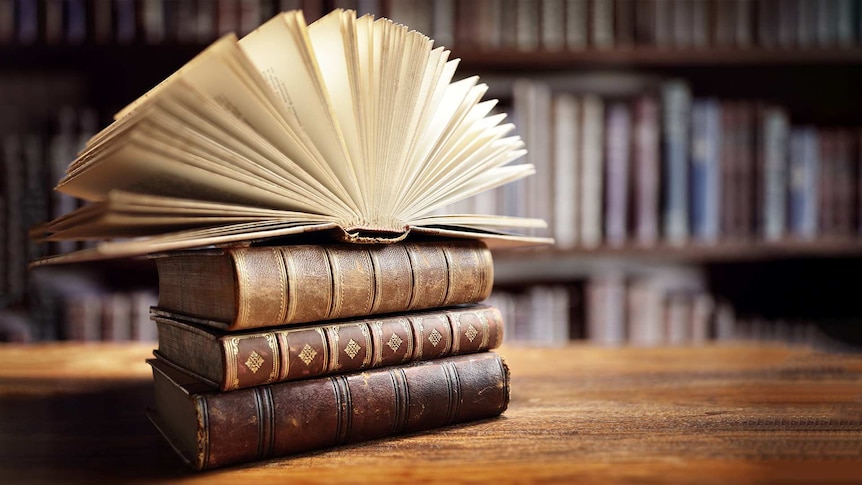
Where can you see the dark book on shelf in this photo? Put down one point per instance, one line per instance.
(235, 360)
(210, 429)
(240, 288)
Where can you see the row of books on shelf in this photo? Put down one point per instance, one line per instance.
(31, 163)
(556, 25)
(615, 310)
(669, 168)
(550, 25)
(76, 305)
(59, 22)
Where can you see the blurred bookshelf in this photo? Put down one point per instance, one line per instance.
(693, 157)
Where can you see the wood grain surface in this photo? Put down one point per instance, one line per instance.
(75, 413)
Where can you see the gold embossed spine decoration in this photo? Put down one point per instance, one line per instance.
(393, 278)
(231, 352)
(261, 295)
(311, 295)
(353, 282)
(430, 276)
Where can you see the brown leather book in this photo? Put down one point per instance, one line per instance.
(241, 288)
(235, 360)
(210, 429)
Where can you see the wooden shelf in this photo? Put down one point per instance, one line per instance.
(542, 264)
(75, 413)
(510, 59)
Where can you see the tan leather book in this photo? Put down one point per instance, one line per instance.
(235, 360)
(241, 288)
(210, 429)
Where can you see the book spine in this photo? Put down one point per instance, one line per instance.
(591, 171)
(296, 284)
(618, 161)
(602, 17)
(705, 170)
(576, 24)
(285, 419)
(775, 141)
(646, 156)
(566, 170)
(677, 105)
(291, 354)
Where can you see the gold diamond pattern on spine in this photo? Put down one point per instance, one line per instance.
(394, 342)
(352, 348)
(254, 362)
(471, 332)
(435, 337)
(307, 354)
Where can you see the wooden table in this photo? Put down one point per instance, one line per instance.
(73, 412)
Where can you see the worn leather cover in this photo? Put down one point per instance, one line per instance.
(250, 287)
(234, 360)
(212, 429)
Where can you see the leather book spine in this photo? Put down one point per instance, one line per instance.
(284, 419)
(291, 354)
(299, 284)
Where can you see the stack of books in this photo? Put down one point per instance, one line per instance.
(295, 177)
(246, 336)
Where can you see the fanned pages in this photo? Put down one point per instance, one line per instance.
(351, 125)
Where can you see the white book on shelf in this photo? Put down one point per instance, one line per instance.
(532, 106)
(618, 159)
(606, 309)
(702, 312)
(592, 170)
(567, 131)
(645, 314)
(646, 159)
(678, 311)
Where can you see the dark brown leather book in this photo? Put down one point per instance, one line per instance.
(240, 288)
(235, 360)
(210, 429)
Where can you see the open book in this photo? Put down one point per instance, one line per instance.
(350, 125)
